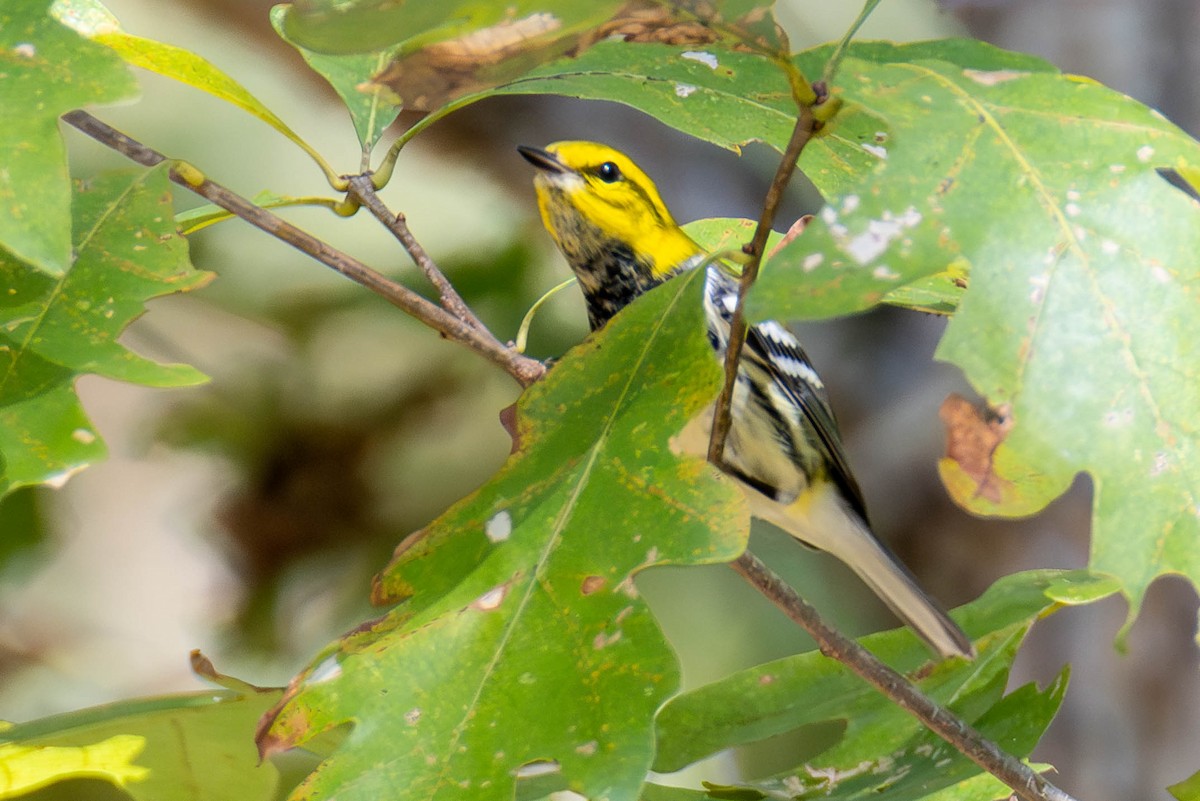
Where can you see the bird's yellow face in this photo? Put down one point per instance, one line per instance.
(592, 196)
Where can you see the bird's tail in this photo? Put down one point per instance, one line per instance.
(821, 519)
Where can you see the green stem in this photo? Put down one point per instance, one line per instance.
(839, 52)
(387, 165)
(199, 218)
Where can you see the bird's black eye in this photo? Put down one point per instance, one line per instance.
(609, 172)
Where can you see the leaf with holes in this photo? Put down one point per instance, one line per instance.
(53, 330)
(522, 638)
(45, 71)
(1079, 323)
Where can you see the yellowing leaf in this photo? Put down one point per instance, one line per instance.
(91, 19)
(28, 767)
(197, 746)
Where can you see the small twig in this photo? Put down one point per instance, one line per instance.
(801, 134)
(1024, 782)
(523, 369)
(363, 190)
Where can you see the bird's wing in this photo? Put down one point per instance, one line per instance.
(777, 352)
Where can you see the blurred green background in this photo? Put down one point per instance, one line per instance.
(246, 517)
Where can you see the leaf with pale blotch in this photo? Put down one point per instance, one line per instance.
(46, 71)
(731, 98)
(1079, 325)
(54, 329)
(522, 638)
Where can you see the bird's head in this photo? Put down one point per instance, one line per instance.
(594, 199)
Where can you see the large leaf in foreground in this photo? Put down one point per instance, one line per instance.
(955, 154)
(523, 638)
(46, 71)
(1079, 324)
(53, 330)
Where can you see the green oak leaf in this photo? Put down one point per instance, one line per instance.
(522, 638)
(732, 98)
(925, 766)
(495, 32)
(426, 52)
(45, 71)
(54, 329)
(1079, 322)
(713, 92)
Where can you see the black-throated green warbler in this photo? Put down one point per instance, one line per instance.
(783, 447)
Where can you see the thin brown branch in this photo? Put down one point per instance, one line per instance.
(801, 134)
(362, 189)
(1024, 782)
(523, 369)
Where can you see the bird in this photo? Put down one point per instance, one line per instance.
(784, 449)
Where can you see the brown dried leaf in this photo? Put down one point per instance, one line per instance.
(508, 419)
(972, 436)
(794, 231)
(640, 21)
(441, 72)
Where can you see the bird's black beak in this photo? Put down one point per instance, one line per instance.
(542, 159)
